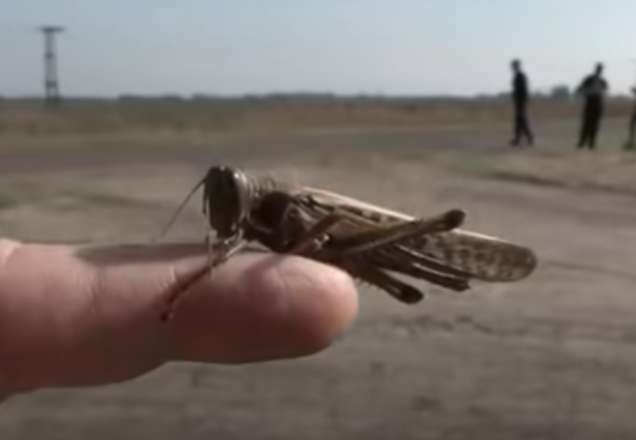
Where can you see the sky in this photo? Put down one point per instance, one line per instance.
(391, 47)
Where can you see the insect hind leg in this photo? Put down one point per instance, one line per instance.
(439, 275)
(365, 241)
(399, 290)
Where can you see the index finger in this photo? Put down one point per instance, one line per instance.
(77, 316)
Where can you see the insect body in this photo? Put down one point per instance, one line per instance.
(368, 241)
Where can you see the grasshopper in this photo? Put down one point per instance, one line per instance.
(369, 242)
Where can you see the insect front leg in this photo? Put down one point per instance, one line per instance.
(219, 251)
(179, 291)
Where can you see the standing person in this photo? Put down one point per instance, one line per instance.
(520, 96)
(593, 89)
(629, 145)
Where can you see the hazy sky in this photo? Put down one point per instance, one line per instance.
(344, 46)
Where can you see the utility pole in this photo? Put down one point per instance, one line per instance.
(51, 85)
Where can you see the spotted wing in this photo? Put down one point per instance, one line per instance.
(457, 254)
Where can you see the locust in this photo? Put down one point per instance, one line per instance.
(373, 244)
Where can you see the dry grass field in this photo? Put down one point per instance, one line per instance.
(551, 357)
(270, 113)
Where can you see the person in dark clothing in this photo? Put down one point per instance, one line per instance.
(629, 145)
(593, 89)
(520, 97)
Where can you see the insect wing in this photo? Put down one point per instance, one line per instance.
(464, 253)
(483, 257)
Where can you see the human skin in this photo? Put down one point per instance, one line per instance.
(73, 316)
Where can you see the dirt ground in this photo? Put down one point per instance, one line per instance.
(551, 357)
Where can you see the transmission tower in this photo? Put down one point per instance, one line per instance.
(51, 85)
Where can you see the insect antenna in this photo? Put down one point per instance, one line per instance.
(178, 211)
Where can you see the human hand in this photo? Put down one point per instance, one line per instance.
(79, 316)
